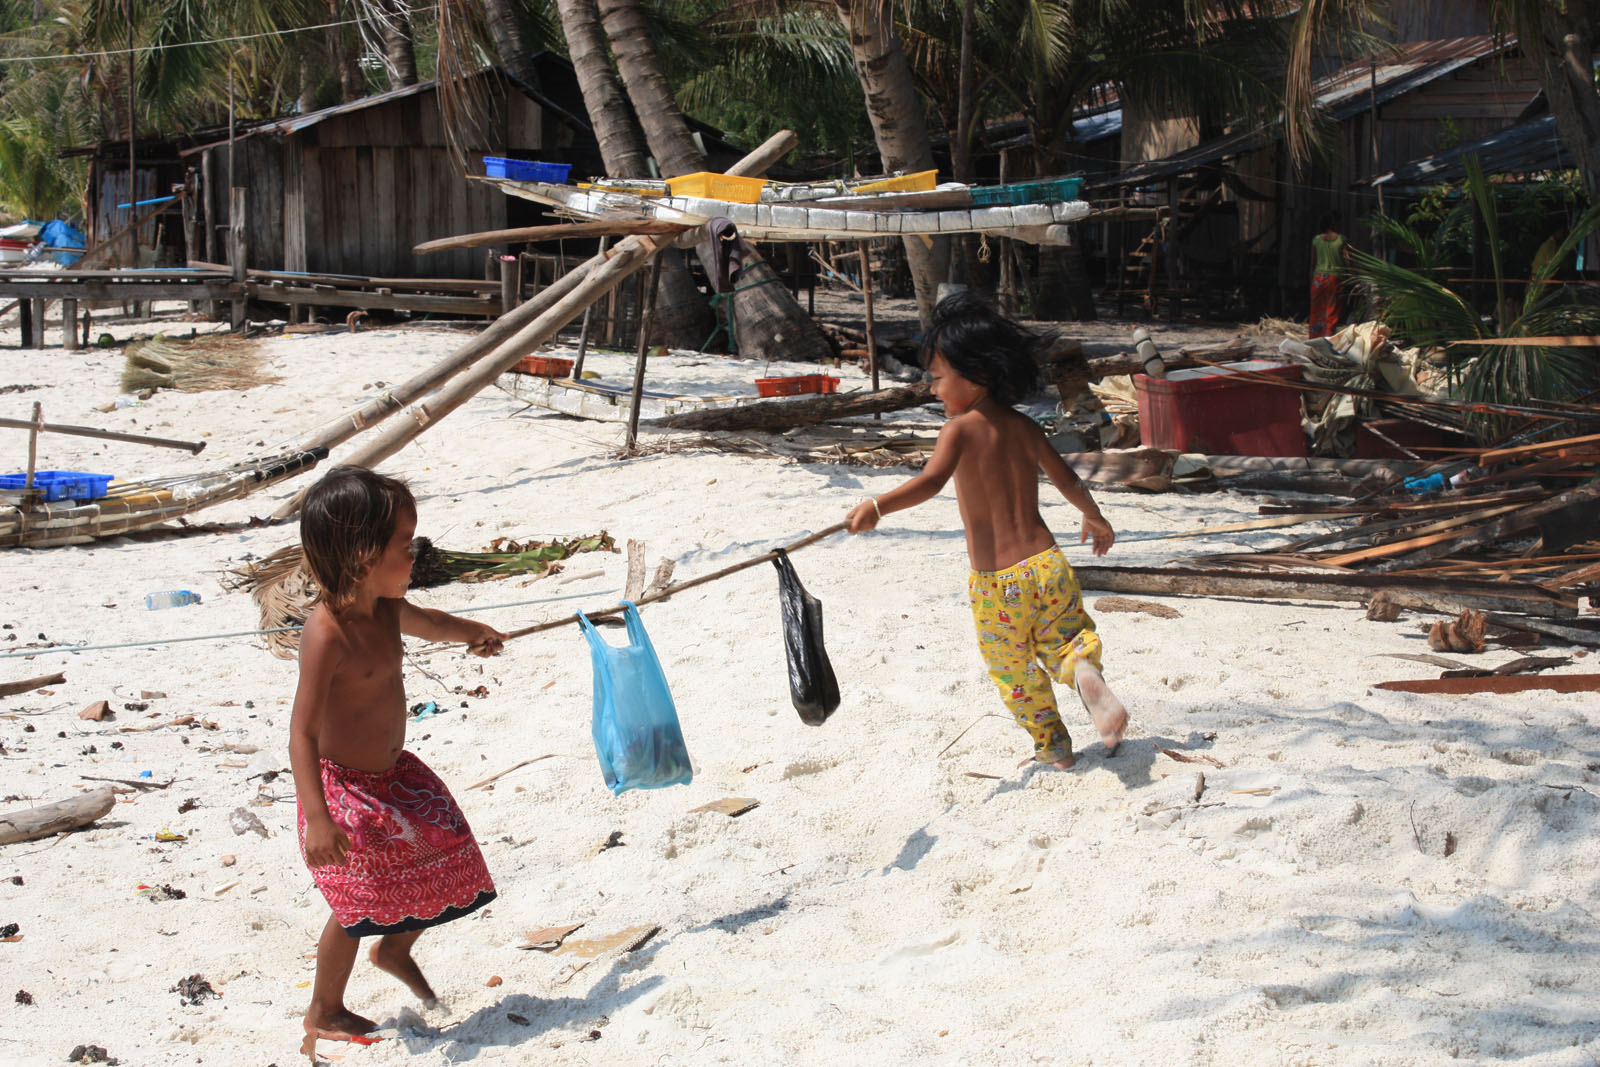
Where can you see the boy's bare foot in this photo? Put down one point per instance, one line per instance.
(339, 1025)
(1110, 717)
(392, 953)
(1063, 764)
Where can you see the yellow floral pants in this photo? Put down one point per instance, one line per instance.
(1032, 628)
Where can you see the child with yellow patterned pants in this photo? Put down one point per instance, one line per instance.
(1025, 599)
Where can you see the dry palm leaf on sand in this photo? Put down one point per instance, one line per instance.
(284, 590)
(210, 361)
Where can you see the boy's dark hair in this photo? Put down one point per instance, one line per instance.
(984, 347)
(345, 523)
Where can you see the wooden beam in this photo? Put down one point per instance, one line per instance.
(779, 415)
(1533, 342)
(328, 296)
(11, 689)
(1446, 596)
(549, 233)
(1523, 518)
(1522, 683)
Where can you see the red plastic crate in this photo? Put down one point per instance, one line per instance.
(1216, 411)
(804, 383)
(544, 366)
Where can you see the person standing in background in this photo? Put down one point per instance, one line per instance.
(1329, 256)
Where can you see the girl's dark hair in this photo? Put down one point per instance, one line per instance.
(345, 523)
(1330, 221)
(984, 347)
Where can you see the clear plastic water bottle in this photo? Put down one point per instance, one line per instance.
(171, 598)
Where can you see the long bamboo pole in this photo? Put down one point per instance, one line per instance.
(601, 228)
(105, 435)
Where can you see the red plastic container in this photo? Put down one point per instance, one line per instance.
(805, 383)
(544, 366)
(1217, 411)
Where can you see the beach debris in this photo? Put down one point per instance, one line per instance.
(548, 938)
(494, 980)
(55, 817)
(98, 711)
(514, 767)
(91, 1053)
(424, 710)
(1520, 665)
(191, 365)
(1199, 784)
(160, 893)
(166, 835)
(1382, 608)
(10, 932)
(141, 783)
(633, 588)
(1140, 607)
(1495, 683)
(28, 685)
(229, 860)
(194, 989)
(188, 805)
(1464, 633)
(24, 997)
(151, 694)
(520, 1020)
(1429, 658)
(613, 840)
(733, 807)
(629, 940)
(1173, 753)
(242, 820)
(1449, 843)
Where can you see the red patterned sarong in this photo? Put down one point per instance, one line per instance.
(413, 862)
(1326, 304)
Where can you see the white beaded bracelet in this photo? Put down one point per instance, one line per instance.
(876, 508)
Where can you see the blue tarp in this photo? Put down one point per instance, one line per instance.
(60, 234)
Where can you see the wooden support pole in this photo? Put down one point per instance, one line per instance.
(36, 339)
(866, 296)
(583, 336)
(25, 322)
(33, 443)
(646, 320)
(237, 251)
(510, 283)
(69, 325)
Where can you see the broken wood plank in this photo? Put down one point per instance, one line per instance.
(1554, 683)
(28, 685)
(1570, 634)
(1421, 594)
(1501, 455)
(548, 938)
(1523, 518)
(47, 819)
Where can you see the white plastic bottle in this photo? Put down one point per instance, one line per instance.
(171, 598)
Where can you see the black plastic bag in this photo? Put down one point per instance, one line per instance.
(812, 686)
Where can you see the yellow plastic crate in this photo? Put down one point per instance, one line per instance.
(714, 186)
(921, 181)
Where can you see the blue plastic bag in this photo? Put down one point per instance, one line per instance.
(636, 731)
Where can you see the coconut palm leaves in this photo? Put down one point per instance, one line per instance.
(1427, 312)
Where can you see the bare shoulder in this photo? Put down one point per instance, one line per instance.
(322, 634)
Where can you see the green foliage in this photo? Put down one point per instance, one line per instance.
(1425, 311)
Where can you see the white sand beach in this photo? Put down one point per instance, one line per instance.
(1366, 877)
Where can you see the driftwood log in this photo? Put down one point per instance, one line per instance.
(785, 414)
(28, 685)
(1446, 596)
(52, 818)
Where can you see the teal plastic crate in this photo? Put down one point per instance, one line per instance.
(1049, 191)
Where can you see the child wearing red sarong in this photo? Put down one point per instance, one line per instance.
(385, 841)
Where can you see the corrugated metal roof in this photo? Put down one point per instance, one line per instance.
(1346, 92)
(1530, 147)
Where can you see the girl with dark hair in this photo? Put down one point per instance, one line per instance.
(1329, 256)
(1025, 599)
(386, 843)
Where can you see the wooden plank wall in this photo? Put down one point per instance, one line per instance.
(368, 185)
(112, 189)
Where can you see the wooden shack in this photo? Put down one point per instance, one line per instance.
(350, 189)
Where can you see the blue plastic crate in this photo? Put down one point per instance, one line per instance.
(525, 170)
(1050, 191)
(61, 485)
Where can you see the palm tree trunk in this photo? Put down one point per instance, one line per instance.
(342, 58)
(510, 42)
(1564, 55)
(771, 324)
(402, 59)
(682, 319)
(896, 114)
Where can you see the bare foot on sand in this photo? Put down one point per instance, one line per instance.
(339, 1024)
(392, 953)
(1063, 764)
(1110, 717)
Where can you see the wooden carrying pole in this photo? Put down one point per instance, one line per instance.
(88, 431)
(549, 233)
(33, 442)
(646, 320)
(678, 587)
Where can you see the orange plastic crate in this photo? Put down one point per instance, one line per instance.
(714, 186)
(805, 383)
(544, 366)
